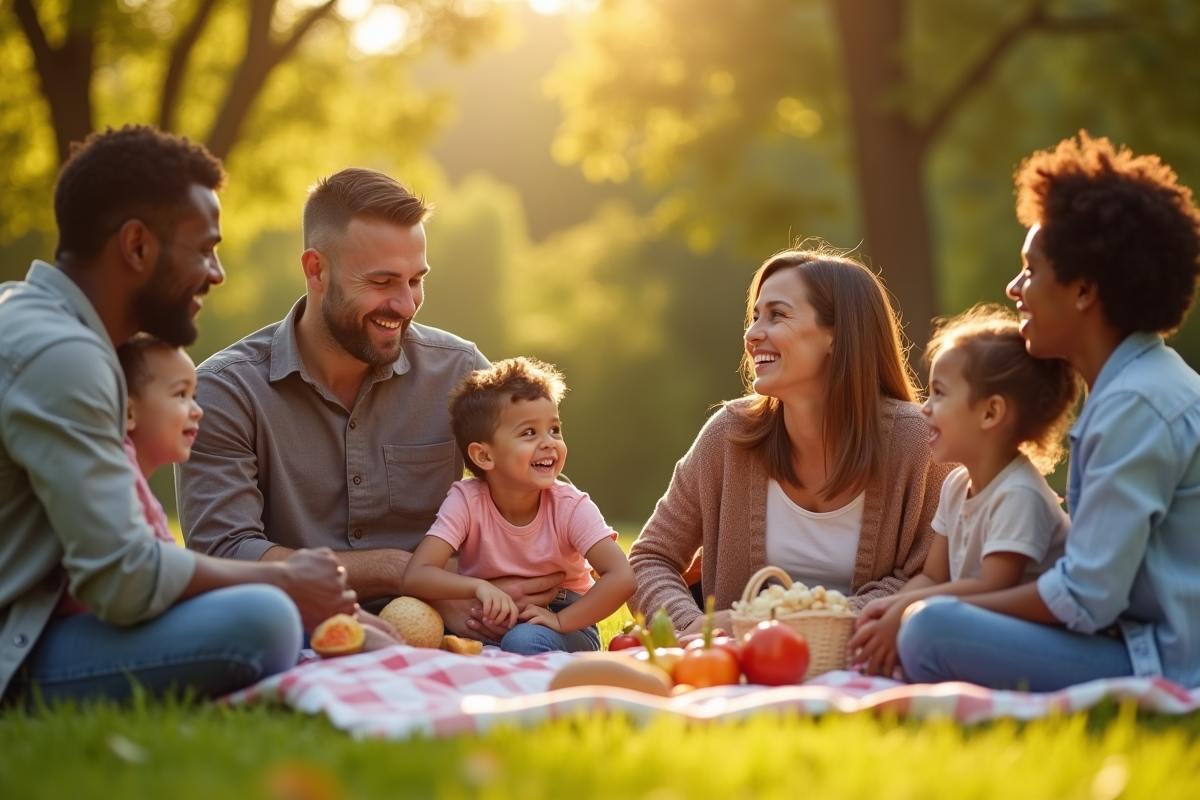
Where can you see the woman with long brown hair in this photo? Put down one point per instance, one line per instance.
(822, 469)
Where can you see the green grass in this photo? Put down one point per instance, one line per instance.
(212, 753)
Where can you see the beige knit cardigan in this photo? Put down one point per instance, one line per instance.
(718, 498)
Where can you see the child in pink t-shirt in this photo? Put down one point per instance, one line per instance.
(515, 518)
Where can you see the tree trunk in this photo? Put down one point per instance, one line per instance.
(889, 153)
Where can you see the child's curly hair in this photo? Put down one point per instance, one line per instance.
(476, 401)
(1042, 391)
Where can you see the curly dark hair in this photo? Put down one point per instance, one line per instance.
(476, 401)
(135, 172)
(1120, 221)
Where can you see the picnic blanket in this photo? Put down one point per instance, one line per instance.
(403, 691)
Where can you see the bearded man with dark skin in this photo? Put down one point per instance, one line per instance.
(91, 603)
(331, 428)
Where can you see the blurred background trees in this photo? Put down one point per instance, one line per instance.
(608, 174)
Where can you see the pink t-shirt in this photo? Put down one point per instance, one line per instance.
(155, 515)
(567, 525)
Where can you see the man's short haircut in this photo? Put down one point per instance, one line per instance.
(476, 402)
(135, 172)
(132, 355)
(355, 192)
(1120, 221)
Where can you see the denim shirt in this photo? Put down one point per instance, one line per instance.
(1133, 554)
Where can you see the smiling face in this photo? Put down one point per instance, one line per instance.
(1048, 309)
(954, 422)
(527, 452)
(164, 417)
(375, 286)
(786, 341)
(187, 267)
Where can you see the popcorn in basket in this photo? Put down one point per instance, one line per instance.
(823, 617)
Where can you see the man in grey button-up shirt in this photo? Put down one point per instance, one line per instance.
(330, 428)
(138, 222)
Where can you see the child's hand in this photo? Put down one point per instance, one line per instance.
(499, 609)
(536, 615)
(875, 609)
(872, 648)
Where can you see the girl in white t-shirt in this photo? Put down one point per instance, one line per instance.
(1002, 414)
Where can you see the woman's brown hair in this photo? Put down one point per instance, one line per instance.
(1042, 391)
(866, 364)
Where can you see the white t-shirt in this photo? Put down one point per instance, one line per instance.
(815, 548)
(1016, 513)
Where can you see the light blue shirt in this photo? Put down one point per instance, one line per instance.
(1133, 554)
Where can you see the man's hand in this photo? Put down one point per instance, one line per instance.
(316, 582)
(379, 634)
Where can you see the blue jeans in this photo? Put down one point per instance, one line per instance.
(528, 640)
(945, 639)
(211, 644)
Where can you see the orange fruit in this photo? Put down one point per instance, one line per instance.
(340, 635)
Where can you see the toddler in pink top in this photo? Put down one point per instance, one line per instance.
(162, 419)
(515, 518)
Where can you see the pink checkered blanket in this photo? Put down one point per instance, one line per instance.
(402, 691)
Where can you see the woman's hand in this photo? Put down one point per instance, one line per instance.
(872, 648)
(875, 609)
(721, 619)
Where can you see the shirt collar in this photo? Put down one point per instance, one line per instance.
(285, 351)
(56, 281)
(1133, 346)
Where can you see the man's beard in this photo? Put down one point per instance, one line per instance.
(353, 336)
(162, 316)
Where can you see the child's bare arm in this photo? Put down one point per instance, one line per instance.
(426, 576)
(936, 572)
(616, 585)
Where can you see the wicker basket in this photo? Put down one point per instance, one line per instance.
(826, 631)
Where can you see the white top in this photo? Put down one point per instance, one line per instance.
(815, 548)
(1016, 513)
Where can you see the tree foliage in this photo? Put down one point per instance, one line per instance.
(745, 111)
(282, 89)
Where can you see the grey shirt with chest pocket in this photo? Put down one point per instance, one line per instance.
(280, 461)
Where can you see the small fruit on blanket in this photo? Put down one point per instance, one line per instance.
(628, 637)
(707, 665)
(665, 658)
(464, 647)
(774, 655)
(340, 635)
(418, 622)
(662, 629)
(612, 669)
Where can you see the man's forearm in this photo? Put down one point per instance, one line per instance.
(372, 574)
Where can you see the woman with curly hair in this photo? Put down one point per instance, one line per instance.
(1111, 262)
(822, 470)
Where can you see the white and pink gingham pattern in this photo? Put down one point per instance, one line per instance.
(402, 691)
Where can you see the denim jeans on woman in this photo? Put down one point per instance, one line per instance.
(1132, 560)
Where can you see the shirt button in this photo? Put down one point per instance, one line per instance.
(353, 424)
(358, 533)
(20, 640)
(357, 480)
